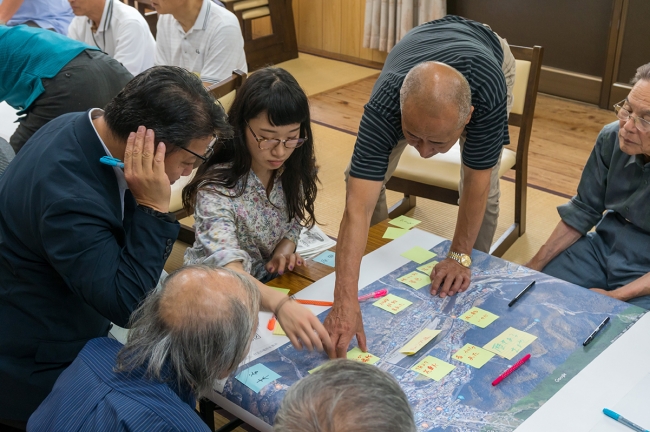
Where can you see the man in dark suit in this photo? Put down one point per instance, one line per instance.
(82, 243)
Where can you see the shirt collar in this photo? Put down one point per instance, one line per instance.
(119, 174)
(201, 22)
(100, 26)
(638, 159)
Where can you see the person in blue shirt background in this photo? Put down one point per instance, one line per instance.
(44, 75)
(48, 14)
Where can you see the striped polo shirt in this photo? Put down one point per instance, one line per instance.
(472, 49)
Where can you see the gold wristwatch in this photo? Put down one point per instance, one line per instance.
(460, 258)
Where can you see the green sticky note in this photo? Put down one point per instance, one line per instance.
(404, 222)
(282, 290)
(393, 233)
(473, 355)
(419, 255)
(357, 355)
(433, 368)
(479, 317)
(510, 343)
(428, 267)
(415, 280)
(392, 303)
(317, 368)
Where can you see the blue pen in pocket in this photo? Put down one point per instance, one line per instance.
(111, 161)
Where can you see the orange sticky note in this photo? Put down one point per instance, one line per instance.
(392, 303)
(357, 355)
(479, 317)
(419, 341)
(473, 355)
(428, 267)
(415, 280)
(433, 368)
(510, 343)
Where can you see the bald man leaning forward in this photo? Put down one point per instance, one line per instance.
(446, 80)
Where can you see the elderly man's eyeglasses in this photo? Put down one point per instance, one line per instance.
(208, 153)
(266, 144)
(624, 114)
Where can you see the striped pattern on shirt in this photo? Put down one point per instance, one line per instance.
(472, 49)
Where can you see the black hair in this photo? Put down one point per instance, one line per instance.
(170, 100)
(276, 92)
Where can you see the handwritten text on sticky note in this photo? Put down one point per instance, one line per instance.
(428, 267)
(326, 258)
(357, 355)
(419, 341)
(473, 355)
(404, 222)
(257, 377)
(418, 254)
(392, 303)
(479, 317)
(510, 343)
(415, 280)
(433, 368)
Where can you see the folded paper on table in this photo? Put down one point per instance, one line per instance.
(419, 341)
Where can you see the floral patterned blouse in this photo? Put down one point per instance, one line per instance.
(245, 228)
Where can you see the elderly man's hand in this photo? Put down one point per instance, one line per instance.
(343, 323)
(449, 278)
(303, 328)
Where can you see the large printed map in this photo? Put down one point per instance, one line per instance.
(559, 314)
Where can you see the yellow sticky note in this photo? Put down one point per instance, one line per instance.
(433, 368)
(392, 303)
(473, 355)
(393, 233)
(316, 368)
(357, 355)
(404, 222)
(419, 255)
(282, 290)
(420, 340)
(479, 317)
(510, 343)
(428, 267)
(415, 280)
(277, 330)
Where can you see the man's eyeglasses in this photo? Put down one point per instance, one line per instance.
(266, 144)
(208, 153)
(624, 114)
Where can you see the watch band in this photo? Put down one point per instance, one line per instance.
(460, 258)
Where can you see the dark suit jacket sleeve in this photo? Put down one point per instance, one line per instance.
(81, 245)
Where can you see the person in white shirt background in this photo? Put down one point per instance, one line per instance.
(115, 28)
(200, 36)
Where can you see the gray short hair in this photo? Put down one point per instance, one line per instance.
(642, 73)
(333, 400)
(461, 96)
(199, 351)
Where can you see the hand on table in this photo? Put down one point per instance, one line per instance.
(284, 257)
(303, 328)
(344, 322)
(449, 278)
(144, 170)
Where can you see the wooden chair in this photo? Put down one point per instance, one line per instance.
(277, 47)
(224, 92)
(437, 178)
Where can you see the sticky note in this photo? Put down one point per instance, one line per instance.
(404, 222)
(393, 233)
(282, 290)
(415, 280)
(357, 355)
(419, 341)
(278, 330)
(326, 258)
(433, 368)
(510, 343)
(479, 317)
(428, 267)
(418, 254)
(317, 368)
(473, 355)
(257, 377)
(392, 303)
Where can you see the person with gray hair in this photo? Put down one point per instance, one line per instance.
(193, 331)
(447, 80)
(613, 196)
(332, 400)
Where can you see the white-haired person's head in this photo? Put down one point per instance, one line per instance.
(345, 396)
(194, 330)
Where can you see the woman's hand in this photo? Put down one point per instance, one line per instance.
(303, 328)
(284, 257)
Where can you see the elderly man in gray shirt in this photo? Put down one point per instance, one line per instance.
(614, 196)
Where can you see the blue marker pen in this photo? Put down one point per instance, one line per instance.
(111, 161)
(619, 418)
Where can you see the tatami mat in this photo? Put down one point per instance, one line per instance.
(318, 74)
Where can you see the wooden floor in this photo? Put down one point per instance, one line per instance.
(564, 132)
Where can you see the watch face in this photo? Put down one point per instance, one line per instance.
(466, 260)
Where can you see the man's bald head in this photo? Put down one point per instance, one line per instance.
(196, 329)
(437, 89)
